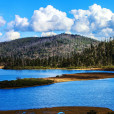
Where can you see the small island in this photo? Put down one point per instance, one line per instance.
(29, 82)
(26, 82)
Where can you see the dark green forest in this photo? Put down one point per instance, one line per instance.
(96, 55)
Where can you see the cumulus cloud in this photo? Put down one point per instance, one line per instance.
(2, 21)
(68, 32)
(81, 26)
(10, 35)
(35, 36)
(44, 34)
(49, 18)
(19, 24)
(43, 20)
(107, 32)
(94, 21)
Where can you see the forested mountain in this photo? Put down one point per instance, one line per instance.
(44, 47)
(63, 50)
(94, 56)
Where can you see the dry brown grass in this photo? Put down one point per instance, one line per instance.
(56, 110)
(81, 76)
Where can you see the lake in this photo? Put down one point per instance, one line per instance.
(97, 93)
(13, 74)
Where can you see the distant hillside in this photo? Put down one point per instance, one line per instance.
(44, 47)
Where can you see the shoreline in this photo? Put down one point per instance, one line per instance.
(68, 78)
(80, 77)
(105, 68)
(1, 67)
(66, 110)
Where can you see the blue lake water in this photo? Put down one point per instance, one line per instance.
(96, 93)
(13, 74)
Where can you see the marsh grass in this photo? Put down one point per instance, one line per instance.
(24, 82)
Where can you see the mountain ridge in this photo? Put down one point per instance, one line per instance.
(44, 47)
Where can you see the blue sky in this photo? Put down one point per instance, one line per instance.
(72, 20)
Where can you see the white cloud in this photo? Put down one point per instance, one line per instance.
(90, 35)
(68, 32)
(44, 34)
(11, 35)
(106, 33)
(43, 20)
(35, 36)
(95, 21)
(50, 19)
(81, 26)
(19, 24)
(2, 21)
(100, 16)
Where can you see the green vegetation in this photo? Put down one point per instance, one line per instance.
(110, 112)
(24, 82)
(107, 67)
(110, 68)
(45, 47)
(92, 112)
(96, 55)
(26, 67)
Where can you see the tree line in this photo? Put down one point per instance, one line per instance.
(95, 56)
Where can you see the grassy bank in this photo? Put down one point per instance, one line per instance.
(110, 68)
(24, 83)
(66, 110)
(106, 68)
(25, 67)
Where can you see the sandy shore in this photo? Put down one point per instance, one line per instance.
(56, 110)
(1, 67)
(81, 76)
